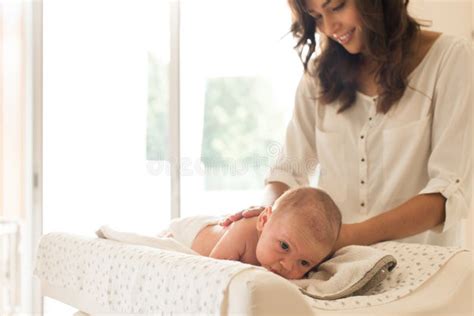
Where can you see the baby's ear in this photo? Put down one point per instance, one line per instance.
(264, 217)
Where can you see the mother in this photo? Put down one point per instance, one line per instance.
(385, 110)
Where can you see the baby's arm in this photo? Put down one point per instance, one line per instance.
(231, 246)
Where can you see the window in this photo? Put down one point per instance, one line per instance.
(106, 102)
(106, 109)
(105, 82)
(105, 65)
(238, 78)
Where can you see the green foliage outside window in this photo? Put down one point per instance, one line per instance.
(239, 122)
(238, 132)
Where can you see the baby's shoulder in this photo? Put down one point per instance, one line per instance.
(249, 238)
(246, 223)
(244, 228)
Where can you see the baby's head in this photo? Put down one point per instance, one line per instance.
(298, 232)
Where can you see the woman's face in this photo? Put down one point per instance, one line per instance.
(339, 20)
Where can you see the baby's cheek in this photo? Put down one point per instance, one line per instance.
(296, 275)
(303, 273)
(260, 255)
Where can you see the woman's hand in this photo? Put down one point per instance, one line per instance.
(247, 213)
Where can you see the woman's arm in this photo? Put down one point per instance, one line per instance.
(273, 190)
(416, 215)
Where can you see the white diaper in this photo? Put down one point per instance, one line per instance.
(186, 229)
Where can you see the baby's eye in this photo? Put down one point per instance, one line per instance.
(284, 245)
(304, 263)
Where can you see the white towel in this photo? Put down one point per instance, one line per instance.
(416, 263)
(353, 270)
(164, 243)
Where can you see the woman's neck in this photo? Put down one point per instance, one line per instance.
(366, 80)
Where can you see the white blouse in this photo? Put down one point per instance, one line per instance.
(372, 162)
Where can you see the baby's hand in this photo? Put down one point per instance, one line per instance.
(247, 213)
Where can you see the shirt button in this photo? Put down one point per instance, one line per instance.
(457, 180)
(370, 119)
(362, 182)
(362, 204)
(362, 160)
(361, 136)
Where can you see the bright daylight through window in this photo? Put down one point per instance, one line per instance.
(107, 105)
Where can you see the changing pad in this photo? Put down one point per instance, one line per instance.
(129, 279)
(101, 276)
(351, 270)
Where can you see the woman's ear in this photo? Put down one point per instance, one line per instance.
(264, 217)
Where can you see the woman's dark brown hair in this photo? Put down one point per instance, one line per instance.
(388, 35)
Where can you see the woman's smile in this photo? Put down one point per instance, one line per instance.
(344, 38)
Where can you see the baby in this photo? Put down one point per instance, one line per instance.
(289, 239)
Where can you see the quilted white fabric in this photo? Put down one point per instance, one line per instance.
(135, 279)
(416, 263)
(352, 270)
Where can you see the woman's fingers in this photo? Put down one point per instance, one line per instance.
(230, 219)
(237, 216)
(225, 222)
(252, 212)
(247, 213)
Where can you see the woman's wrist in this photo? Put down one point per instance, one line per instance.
(273, 190)
(354, 234)
(362, 233)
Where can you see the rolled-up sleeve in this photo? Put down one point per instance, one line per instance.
(449, 165)
(297, 156)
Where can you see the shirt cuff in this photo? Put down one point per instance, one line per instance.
(455, 207)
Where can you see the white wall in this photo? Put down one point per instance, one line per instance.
(447, 16)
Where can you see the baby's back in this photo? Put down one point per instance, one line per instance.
(207, 238)
(239, 241)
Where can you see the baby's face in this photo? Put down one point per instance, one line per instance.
(286, 249)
